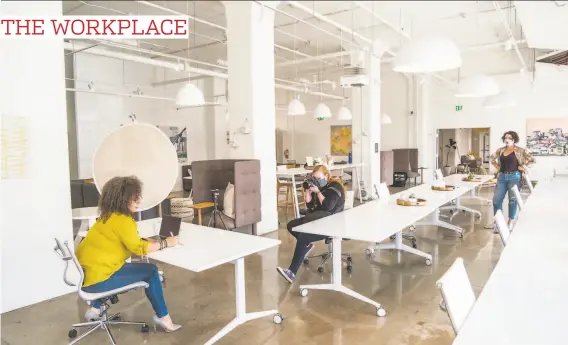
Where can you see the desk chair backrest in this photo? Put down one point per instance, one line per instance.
(384, 193)
(517, 194)
(457, 293)
(501, 224)
(68, 255)
(349, 197)
(526, 176)
(439, 174)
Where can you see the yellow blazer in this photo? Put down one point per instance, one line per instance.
(107, 245)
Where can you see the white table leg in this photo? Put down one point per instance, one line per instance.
(437, 222)
(242, 315)
(459, 207)
(336, 283)
(477, 197)
(400, 246)
(356, 173)
(296, 206)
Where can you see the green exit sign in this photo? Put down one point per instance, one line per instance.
(459, 107)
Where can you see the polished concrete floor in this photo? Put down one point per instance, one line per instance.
(204, 302)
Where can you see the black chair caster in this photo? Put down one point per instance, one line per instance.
(72, 333)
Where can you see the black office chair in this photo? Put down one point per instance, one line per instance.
(325, 256)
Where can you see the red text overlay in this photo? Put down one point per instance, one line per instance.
(126, 27)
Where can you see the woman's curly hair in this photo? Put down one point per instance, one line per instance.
(117, 194)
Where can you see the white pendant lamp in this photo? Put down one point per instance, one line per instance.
(189, 95)
(385, 119)
(477, 86)
(427, 55)
(296, 108)
(344, 113)
(502, 100)
(322, 111)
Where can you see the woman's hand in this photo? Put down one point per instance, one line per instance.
(172, 241)
(314, 189)
(521, 168)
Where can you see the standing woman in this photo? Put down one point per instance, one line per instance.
(113, 239)
(510, 161)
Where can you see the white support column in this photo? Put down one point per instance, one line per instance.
(216, 120)
(366, 109)
(35, 150)
(250, 50)
(425, 136)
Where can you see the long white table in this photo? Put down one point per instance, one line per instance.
(524, 301)
(292, 173)
(376, 221)
(202, 248)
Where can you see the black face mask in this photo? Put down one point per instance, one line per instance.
(321, 182)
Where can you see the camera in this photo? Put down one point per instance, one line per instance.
(309, 182)
(215, 193)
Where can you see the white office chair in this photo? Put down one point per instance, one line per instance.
(528, 186)
(501, 225)
(517, 194)
(457, 294)
(439, 174)
(383, 192)
(384, 196)
(105, 321)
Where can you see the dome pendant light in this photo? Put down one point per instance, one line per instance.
(477, 87)
(322, 112)
(344, 114)
(502, 100)
(189, 95)
(296, 108)
(427, 55)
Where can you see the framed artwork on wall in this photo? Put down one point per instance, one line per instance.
(547, 136)
(178, 137)
(340, 140)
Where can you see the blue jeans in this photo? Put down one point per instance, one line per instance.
(132, 273)
(304, 239)
(505, 183)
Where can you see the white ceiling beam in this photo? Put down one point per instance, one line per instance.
(511, 36)
(220, 27)
(314, 58)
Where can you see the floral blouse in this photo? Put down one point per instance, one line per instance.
(524, 157)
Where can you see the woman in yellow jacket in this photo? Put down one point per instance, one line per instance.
(113, 239)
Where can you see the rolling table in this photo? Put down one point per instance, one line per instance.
(292, 173)
(374, 222)
(457, 180)
(194, 253)
(524, 301)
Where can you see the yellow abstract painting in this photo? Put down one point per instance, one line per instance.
(340, 140)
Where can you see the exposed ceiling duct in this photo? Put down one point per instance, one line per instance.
(545, 23)
(558, 58)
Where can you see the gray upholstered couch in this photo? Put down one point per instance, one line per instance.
(216, 174)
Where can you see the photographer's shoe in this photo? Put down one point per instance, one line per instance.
(286, 274)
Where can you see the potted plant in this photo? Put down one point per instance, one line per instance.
(447, 168)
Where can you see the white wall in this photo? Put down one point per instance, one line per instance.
(545, 99)
(36, 207)
(97, 115)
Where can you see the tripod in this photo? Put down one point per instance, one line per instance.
(216, 213)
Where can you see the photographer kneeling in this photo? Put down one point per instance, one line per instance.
(325, 196)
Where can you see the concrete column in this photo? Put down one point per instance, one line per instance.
(216, 121)
(425, 136)
(250, 50)
(35, 163)
(366, 123)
